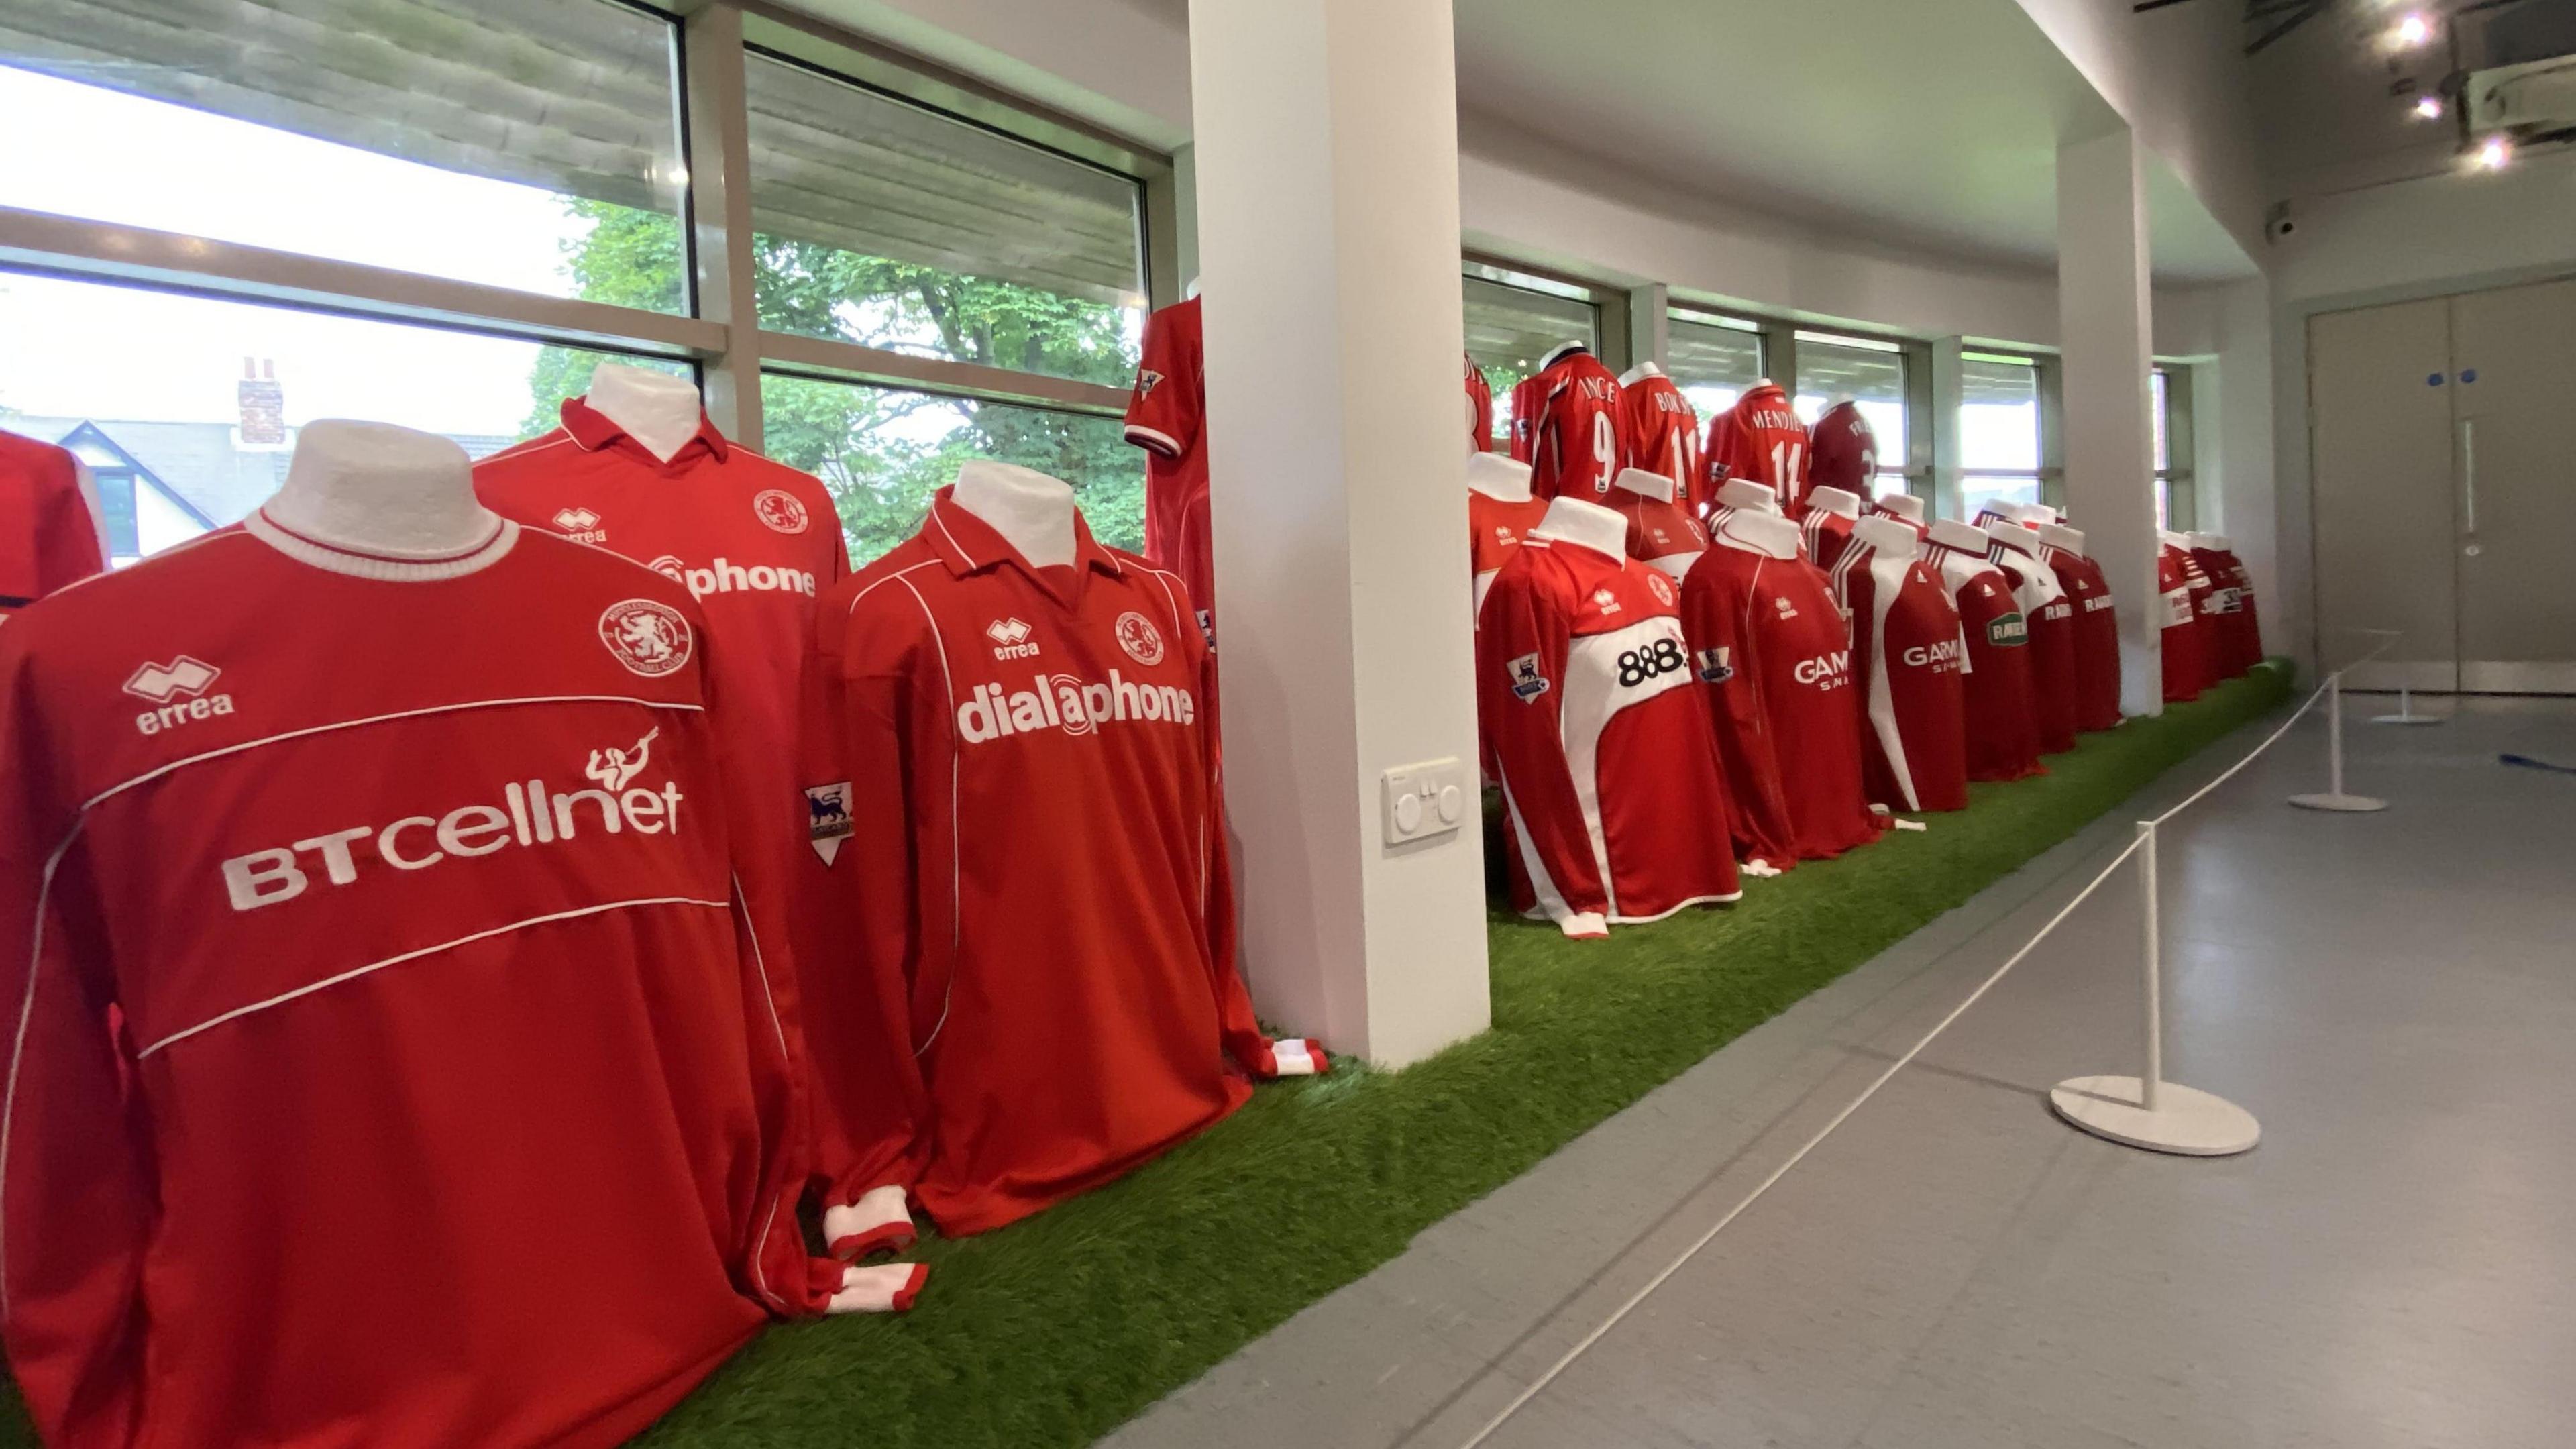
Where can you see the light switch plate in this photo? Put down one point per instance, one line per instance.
(1421, 801)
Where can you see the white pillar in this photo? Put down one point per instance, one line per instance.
(1327, 170)
(1949, 393)
(2242, 494)
(1650, 330)
(2104, 329)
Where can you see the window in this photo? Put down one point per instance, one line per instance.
(1514, 319)
(893, 226)
(1714, 360)
(1869, 372)
(524, 146)
(1998, 430)
(2176, 500)
(193, 430)
(445, 176)
(884, 451)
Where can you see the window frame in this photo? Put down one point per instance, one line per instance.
(2042, 474)
(712, 47)
(2177, 491)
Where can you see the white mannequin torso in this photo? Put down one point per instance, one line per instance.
(1640, 373)
(1745, 493)
(2059, 536)
(658, 410)
(1652, 485)
(1903, 505)
(1503, 479)
(1951, 533)
(380, 489)
(2214, 542)
(1571, 520)
(1835, 500)
(1030, 510)
(1768, 534)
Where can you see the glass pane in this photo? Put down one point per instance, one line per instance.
(1510, 328)
(1712, 365)
(885, 224)
(2163, 420)
(1999, 416)
(116, 510)
(883, 451)
(1873, 380)
(494, 141)
(201, 399)
(1975, 492)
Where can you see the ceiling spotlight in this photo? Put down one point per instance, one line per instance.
(2428, 108)
(2493, 152)
(2412, 31)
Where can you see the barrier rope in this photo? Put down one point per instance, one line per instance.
(1539, 1385)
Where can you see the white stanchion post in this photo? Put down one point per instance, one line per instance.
(2334, 797)
(2146, 1111)
(2406, 714)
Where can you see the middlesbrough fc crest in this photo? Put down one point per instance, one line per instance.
(649, 638)
(781, 511)
(1138, 636)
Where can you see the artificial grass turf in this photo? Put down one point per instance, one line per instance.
(1055, 1330)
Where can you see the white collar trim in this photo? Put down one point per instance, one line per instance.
(388, 567)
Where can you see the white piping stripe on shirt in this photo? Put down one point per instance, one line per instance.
(942, 525)
(173, 551)
(346, 724)
(373, 966)
(788, 1066)
(18, 1046)
(956, 846)
(877, 584)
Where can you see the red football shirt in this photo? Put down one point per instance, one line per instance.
(405, 1054)
(1661, 533)
(1167, 416)
(1495, 528)
(1761, 438)
(1881, 509)
(1526, 396)
(1602, 741)
(1659, 432)
(2179, 634)
(1907, 654)
(1035, 829)
(49, 535)
(2050, 616)
(2229, 616)
(1480, 410)
(1575, 446)
(1845, 452)
(1788, 727)
(2002, 714)
(1827, 534)
(2096, 634)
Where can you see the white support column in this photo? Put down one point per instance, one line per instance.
(1327, 170)
(2238, 493)
(1650, 331)
(1949, 392)
(2103, 308)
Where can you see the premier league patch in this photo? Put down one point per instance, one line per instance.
(1527, 682)
(1714, 664)
(827, 817)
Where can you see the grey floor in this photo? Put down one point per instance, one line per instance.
(2394, 995)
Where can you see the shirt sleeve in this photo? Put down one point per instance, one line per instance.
(1713, 610)
(1521, 647)
(1163, 411)
(76, 1185)
(863, 976)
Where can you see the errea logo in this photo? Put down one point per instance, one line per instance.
(178, 688)
(1011, 639)
(580, 525)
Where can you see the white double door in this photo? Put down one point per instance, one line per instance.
(2443, 454)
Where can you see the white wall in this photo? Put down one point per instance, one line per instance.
(2178, 76)
(2432, 232)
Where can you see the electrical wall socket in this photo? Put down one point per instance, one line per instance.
(1425, 800)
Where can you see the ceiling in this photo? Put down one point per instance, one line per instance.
(1909, 122)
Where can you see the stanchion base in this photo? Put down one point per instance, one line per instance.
(2186, 1122)
(2352, 804)
(2406, 719)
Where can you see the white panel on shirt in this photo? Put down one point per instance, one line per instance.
(1604, 674)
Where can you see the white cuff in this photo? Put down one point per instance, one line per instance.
(878, 1222)
(1292, 1057)
(882, 1288)
(1584, 925)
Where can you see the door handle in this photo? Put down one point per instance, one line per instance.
(2469, 473)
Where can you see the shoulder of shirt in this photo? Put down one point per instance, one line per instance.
(864, 584)
(542, 442)
(1179, 590)
(173, 580)
(559, 555)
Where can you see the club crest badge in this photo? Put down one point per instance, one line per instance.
(781, 510)
(1138, 636)
(649, 638)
